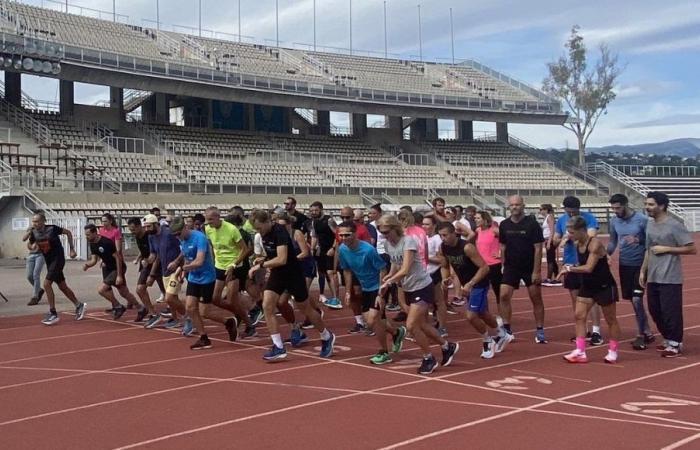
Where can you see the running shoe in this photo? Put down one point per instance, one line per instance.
(33, 301)
(141, 314)
(118, 312)
(596, 339)
(109, 310)
(334, 303)
(502, 341)
(427, 366)
(131, 305)
(552, 283)
(671, 351)
(459, 301)
(307, 325)
(611, 357)
(160, 299)
(639, 343)
(50, 319)
(449, 353)
(166, 313)
(153, 320)
(489, 349)
(380, 358)
(80, 311)
(275, 353)
(255, 315)
(540, 337)
(322, 299)
(232, 327)
(451, 310)
(202, 343)
(391, 307)
(327, 347)
(369, 332)
(249, 332)
(357, 328)
(297, 337)
(576, 357)
(397, 343)
(442, 331)
(662, 346)
(188, 328)
(172, 323)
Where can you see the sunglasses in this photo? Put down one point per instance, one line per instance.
(344, 235)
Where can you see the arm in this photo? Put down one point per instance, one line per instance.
(347, 276)
(278, 261)
(612, 243)
(471, 253)
(244, 253)
(27, 234)
(196, 263)
(91, 263)
(503, 252)
(643, 270)
(303, 246)
(683, 250)
(71, 244)
(398, 275)
(444, 269)
(597, 252)
(177, 262)
(537, 271)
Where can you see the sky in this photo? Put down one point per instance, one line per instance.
(658, 94)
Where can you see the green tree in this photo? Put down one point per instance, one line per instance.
(585, 93)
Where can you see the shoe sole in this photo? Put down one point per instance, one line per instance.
(541, 341)
(500, 348)
(576, 361)
(610, 361)
(486, 356)
(49, 323)
(81, 316)
(381, 363)
(428, 373)
(449, 360)
(203, 347)
(335, 307)
(275, 358)
(332, 346)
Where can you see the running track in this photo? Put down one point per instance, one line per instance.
(105, 384)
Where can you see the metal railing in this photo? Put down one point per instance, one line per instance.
(133, 98)
(656, 171)
(27, 101)
(6, 175)
(125, 144)
(28, 124)
(39, 204)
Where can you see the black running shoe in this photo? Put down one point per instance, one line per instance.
(449, 353)
(232, 328)
(141, 314)
(202, 343)
(427, 366)
(596, 339)
(118, 312)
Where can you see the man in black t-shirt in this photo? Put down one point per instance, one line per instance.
(322, 228)
(47, 239)
(521, 250)
(286, 275)
(290, 205)
(139, 232)
(113, 271)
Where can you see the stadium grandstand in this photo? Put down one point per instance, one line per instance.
(255, 127)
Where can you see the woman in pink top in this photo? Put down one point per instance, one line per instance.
(113, 232)
(490, 249)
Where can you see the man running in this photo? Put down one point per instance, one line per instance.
(472, 272)
(359, 260)
(407, 269)
(113, 272)
(521, 251)
(141, 237)
(667, 239)
(628, 230)
(47, 238)
(286, 275)
(322, 229)
(231, 256)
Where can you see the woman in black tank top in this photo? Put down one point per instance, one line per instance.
(597, 286)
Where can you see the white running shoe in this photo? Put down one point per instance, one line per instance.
(502, 341)
(489, 349)
(611, 357)
(576, 357)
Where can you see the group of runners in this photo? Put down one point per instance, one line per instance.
(422, 265)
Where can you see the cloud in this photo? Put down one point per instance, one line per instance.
(676, 119)
(669, 46)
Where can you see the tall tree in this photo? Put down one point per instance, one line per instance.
(585, 93)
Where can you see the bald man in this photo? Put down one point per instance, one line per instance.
(521, 251)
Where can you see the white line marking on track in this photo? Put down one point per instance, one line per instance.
(682, 442)
(551, 376)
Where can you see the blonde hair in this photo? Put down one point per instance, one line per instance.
(406, 218)
(392, 222)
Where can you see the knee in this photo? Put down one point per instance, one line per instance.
(581, 316)
(141, 289)
(192, 308)
(104, 289)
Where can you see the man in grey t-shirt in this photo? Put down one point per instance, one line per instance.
(666, 240)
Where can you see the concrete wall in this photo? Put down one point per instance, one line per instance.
(90, 113)
(11, 245)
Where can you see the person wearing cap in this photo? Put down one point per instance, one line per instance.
(164, 251)
(198, 267)
(141, 237)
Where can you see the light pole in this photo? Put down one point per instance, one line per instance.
(157, 15)
(351, 27)
(239, 20)
(420, 36)
(277, 22)
(452, 37)
(114, 10)
(200, 18)
(314, 25)
(386, 52)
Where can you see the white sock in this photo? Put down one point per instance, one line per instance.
(277, 340)
(359, 320)
(325, 334)
(595, 329)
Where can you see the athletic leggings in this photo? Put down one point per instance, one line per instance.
(495, 277)
(552, 266)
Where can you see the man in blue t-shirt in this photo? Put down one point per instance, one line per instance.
(198, 265)
(628, 229)
(359, 260)
(572, 208)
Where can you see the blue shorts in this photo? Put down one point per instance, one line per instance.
(478, 300)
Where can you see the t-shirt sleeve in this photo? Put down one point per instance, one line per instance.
(410, 243)
(152, 245)
(377, 262)
(202, 243)
(342, 257)
(280, 237)
(591, 222)
(536, 232)
(560, 227)
(681, 235)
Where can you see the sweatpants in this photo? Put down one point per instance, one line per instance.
(665, 303)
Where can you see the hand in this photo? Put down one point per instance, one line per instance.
(561, 275)
(660, 249)
(446, 283)
(257, 261)
(642, 279)
(547, 244)
(253, 270)
(150, 280)
(119, 281)
(467, 289)
(135, 262)
(85, 267)
(330, 252)
(536, 278)
(629, 239)
(72, 254)
(496, 255)
(172, 266)
(180, 276)
(347, 299)
(379, 302)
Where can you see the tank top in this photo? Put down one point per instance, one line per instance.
(463, 266)
(488, 245)
(601, 277)
(546, 230)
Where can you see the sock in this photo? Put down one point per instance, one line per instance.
(485, 337)
(506, 326)
(325, 334)
(581, 344)
(358, 320)
(53, 311)
(277, 340)
(595, 329)
(612, 345)
(540, 328)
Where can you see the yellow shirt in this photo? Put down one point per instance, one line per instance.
(224, 240)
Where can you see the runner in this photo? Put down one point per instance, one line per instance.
(374, 213)
(628, 229)
(34, 266)
(597, 286)
(290, 205)
(417, 285)
(231, 262)
(322, 228)
(488, 245)
(253, 287)
(521, 251)
(286, 274)
(472, 272)
(113, 272)
(434, 263)
(111, 230)
(547, 211)
(141, 238)
(47, 238)
(667, 239)
(360, 261)
(572, 208)
(201, 274)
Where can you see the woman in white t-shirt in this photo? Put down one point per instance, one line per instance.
(547, 211)
(434, 262)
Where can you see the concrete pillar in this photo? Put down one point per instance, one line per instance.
(359, 125)
(162, 112)
(418, 128)
(431, 129)
(287, 118)
(13, 88)
(209, 105)
(396, 126)
(116, 100)
(464, 130)
(502, 131)
(250, 114)
(66, 94)
(323, 122)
